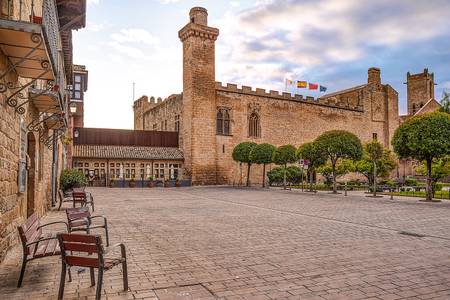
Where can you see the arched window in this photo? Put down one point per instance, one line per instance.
(223, 121)
(413, 108)
(254, 128)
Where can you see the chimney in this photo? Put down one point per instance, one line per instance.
(374, 76)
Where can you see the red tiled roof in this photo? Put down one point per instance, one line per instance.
(133, 152)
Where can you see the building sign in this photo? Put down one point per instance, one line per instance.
(22, 174)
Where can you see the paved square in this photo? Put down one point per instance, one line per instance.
(224, 243)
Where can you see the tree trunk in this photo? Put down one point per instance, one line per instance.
(311, 174)
(284, 177)
(374, 178)
(248, 174)
(333, 168)
(429, 181)
(264, 176)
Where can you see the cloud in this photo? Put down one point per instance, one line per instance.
(135, 35)
(304, 36)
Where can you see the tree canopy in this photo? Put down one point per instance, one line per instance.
(262, 154)
(312, 153)
(284, 155)
(338, 145)
(242, 151)
(425, 138)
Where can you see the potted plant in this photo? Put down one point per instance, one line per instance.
(72, 178)
(166, 183)
(151, 183)
(132, 182)
(177, 182)
(111, 182)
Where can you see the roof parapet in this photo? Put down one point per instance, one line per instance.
(247, 90)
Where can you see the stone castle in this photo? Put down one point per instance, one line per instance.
(212, 118)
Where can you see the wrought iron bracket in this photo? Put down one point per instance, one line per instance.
(17, 90)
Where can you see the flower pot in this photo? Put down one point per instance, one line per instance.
(151, 184)
(37, 20)
(177, 183)
(132, 184)
(166, 184)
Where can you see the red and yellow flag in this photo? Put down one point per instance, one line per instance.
(302, 84)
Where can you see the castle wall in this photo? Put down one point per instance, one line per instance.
(287, 120)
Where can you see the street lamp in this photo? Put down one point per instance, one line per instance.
(73, 107)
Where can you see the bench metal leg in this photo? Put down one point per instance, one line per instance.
(106, 233)
(92, 276)
(125, 275)
(62, 282)
(98, 293)
(22, 271)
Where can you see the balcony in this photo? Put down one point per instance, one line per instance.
(31, 40)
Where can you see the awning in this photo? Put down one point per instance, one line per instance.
(44, 100)
(25, 46)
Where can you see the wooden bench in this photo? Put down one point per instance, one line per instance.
(80, 219)
(80, 249)
(83, 198)
(64, 198)
(35, 243)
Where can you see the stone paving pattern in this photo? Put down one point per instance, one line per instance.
(223, 243)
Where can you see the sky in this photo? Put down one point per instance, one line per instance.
(329, 42)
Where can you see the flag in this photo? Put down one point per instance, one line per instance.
(289, 82)
(313, 86)
(323, 88)
(302, 84)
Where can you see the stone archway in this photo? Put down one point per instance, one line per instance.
(31, 174)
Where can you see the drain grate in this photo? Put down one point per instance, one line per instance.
(412, 234)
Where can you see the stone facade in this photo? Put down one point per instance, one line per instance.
(369, 110)
(420, 89)
(28, 155)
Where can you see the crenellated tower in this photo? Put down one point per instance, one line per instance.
(198, 115)
(420, 89)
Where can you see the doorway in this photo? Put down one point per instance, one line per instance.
(31, 151)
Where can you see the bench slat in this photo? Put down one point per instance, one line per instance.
(80, 247)
(82, 261)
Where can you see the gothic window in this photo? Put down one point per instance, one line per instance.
(254, 127)
(177, 123)
(223, 121)
(413, 108)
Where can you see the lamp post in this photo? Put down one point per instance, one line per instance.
(73, 107)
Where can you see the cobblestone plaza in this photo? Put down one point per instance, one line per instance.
(225, 243)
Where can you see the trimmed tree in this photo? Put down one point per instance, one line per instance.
(338, 145)
(440, 168)
(424, 138)
(316, 158)
(241, 153)
(284, 155)
(374, 152)
(262, 154)
(384, 165)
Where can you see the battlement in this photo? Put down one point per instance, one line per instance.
(145, 103)
(425, 74)
(247, 90)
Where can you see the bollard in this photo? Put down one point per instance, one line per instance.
(392, 194)
(345, 189)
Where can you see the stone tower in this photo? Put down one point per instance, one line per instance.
(420, 89)
(199, 108)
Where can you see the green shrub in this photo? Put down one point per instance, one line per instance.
(72, 178)
(293, 175)
(411, 182)
(437, 186)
